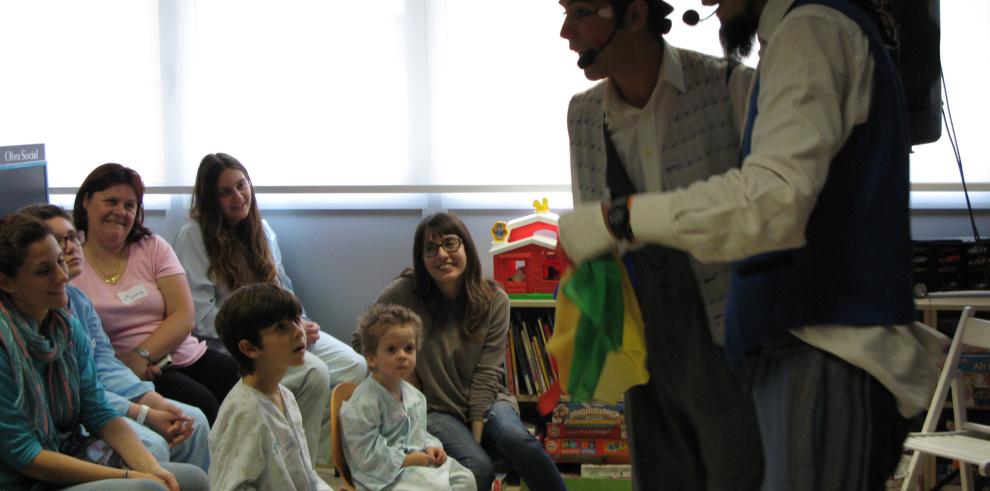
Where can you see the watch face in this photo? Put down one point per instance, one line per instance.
(618, 216)
(618, 221)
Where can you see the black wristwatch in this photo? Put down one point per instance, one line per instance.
(618, 219)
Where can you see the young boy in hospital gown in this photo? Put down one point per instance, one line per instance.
(257, 441)
(384, 423)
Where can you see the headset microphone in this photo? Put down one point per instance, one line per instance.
(692, 18)
(587, 58)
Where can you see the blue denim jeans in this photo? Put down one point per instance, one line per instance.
(190, 478)
(504, 437)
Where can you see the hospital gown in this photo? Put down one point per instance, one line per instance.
(378, 433)
(254, 446)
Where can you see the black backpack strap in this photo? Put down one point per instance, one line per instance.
(616, 178)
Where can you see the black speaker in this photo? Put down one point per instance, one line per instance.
(918, 59)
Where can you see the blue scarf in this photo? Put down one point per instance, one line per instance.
(48, 398)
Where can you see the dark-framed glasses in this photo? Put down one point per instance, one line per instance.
(77, 237)
(449, 244)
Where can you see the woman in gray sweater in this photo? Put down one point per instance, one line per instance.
(459, 365)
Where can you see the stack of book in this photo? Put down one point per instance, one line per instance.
(528, 370)
(975, 368)
(584, 433)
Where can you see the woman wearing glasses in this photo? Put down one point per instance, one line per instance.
(459, 365)
(48, 384)
(226, 245)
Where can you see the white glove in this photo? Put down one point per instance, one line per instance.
(584, 233)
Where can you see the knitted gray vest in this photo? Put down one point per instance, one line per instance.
(701, 141)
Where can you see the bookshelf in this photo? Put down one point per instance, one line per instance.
(572, 443)
(528, 372)
(523, 303)
(931, 305)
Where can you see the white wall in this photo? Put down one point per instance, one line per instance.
(339, 260)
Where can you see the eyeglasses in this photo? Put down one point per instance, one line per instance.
(75, 236)
(449, 244)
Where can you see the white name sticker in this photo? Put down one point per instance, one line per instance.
(133, 294)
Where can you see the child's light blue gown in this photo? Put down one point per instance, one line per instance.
(379, 431)
(253, 445)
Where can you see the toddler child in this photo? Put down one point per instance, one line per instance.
(384, 423)
(257, 441)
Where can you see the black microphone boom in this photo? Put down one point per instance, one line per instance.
(692, 18)
(587, 58)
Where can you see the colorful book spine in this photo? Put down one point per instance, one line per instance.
(544, 369)
(577, 413)
(531, 360)
(510, 372)
(611, 451)
(560, 430)
(521, 364)
(544, 355)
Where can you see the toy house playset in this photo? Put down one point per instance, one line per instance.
(523, 252)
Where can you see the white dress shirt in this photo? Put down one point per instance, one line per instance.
(638, 132)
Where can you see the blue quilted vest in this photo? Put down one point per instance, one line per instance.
(856, 266)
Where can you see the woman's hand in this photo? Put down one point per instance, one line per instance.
(312, 331)
(438, 455)
(418, 459)
(174, 427)
(154, 400)
(138, 365)
(156, 474)
(183, 424)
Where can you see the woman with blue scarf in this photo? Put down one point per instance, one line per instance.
(48, 386)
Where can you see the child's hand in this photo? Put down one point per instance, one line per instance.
(439, 456)
(420, 459)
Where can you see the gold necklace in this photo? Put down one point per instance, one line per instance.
(110, 279)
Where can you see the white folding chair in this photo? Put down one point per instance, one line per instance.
(969, 443)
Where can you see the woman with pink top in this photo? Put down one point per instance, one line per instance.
(140, 292)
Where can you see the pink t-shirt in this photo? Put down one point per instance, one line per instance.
(133, 308)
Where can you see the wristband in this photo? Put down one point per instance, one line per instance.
(142, 414)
